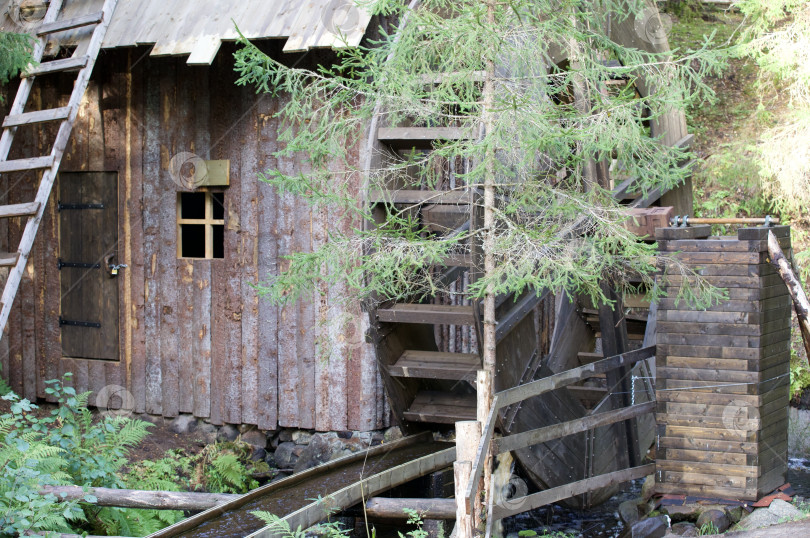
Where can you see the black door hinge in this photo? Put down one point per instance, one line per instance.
(60, 206)
(80, 265)
(72, 323)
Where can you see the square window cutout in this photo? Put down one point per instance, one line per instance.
(201, 225)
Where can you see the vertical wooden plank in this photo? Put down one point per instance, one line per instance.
(135, 354)
(112, 103)
(306, 326)
(365, 383)
(5, 243)
(171, 117)
(179, 117)
(230, 144)
(96, 379)
(288, 378)
(220, 322)
(26, 291)
(201, 347)
(329, 343)
(267, 265)
(202, 330)
(48, 238)
(187, 337)
(151, 242)
(249, 257)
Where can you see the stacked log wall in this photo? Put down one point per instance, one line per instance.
(723, 373)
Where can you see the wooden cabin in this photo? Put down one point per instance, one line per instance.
(180, 326)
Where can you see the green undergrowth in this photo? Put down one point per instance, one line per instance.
(72, 446)
(727, 180)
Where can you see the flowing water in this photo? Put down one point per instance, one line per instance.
(282, 501)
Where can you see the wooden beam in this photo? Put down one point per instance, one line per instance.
(794, 287)
(69, 24)
(56, 66)
(38, 116)
(389, 508)
(529, 502)
(569, 377)
(427, 313)
(549, 433)
(19, 210)
(516, 314)
(133, 498)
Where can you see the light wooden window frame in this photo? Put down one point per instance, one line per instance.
(208, 223)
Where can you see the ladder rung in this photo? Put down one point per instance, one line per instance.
(19, 210)
(8, 258)
(39, 116)
(68, 24)
(67, 64)
(21, 165)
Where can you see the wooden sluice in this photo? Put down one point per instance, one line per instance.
(337, 485)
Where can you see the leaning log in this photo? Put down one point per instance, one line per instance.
(134, 498)
(390, 508)
(794, 286)
(50, 534)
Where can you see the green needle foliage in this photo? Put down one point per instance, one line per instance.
(554, 226)
(15, 55)
(778, 38)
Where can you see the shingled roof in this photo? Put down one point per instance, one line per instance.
(198, 27)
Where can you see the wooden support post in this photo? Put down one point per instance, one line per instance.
(468, 437)
(794, 286)
(464, 521)
(484, 386)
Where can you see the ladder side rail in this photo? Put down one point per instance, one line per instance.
(26, 83)
(49, 175)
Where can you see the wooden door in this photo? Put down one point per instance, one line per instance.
(88, 245)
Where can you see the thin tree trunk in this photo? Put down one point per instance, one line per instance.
(134, 498)
(794, 286)
(485, 390)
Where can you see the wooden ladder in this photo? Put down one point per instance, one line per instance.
(49, 164)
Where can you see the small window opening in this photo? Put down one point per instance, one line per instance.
(201, 225)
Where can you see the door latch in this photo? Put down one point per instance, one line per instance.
(114, 267)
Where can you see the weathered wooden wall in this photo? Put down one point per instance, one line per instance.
(195, 338)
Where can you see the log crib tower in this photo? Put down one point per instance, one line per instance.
(723, 376)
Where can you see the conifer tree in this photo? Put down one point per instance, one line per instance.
(528, 81)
